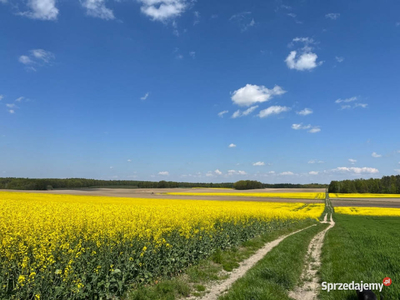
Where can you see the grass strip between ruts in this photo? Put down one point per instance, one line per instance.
(278, 272)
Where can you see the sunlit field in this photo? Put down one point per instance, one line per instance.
(319, 196)
(79, 247)
(369, 211)
(366, 195)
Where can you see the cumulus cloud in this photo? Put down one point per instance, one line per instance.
(305, 112)
(23, 59)
(42, 55)
(145, 96)
(234, 172)
(300, 126)
(221, 114)
(218, 172)
(303, 58)
(252, 94)
(163, 173)
(303, 61)
(11, 111)
(313, 172)
(41, 10)
(259, 163)
(362, 105)
(332, 16)
(232, 146)
(376, 155)
(272, 110)
(287, 173)
(98, 9)
(163, 10)
(356, 170)
(352, 161)
(248, 111)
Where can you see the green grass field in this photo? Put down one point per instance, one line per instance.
(362, 248)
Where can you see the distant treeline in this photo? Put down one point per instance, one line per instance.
(386, 185)
(70, 183)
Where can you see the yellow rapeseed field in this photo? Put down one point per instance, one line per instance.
(79, 247)
(319, 196)
(369, 211)
(366, 195)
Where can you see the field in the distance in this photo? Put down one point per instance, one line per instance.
(365, 200)
(199, 194)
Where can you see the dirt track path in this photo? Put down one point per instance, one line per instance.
(246, 265)
(309, 290)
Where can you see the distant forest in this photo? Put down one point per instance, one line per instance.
(72, 183)
(385, 185)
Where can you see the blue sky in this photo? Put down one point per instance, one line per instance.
(292, 91)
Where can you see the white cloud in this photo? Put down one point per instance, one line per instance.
(397, 170)
(196, 18)
(376, 155)
(236, 114)
(1, 97)
(288, 173)
(42, 10)
(163, 173)
(145, 96)
(332, 16)
(273, 110)
(19, 99)
(232, 146)
(356, 170)
(221, 114)
(25, 60)
(313, 172)
(352, 161)
(243, 20)
(304, 61)
(313, 161)
(314, 130)
(339, 58)
(192, 54)
(248, 111)
(234, 172)
(98, 9)
(347, 100)
(11, 111)
(43, 55)
(300, 126)
(37, 57)
(259, 163)
(305, 112)
(10, 105)
(163, 10)
(251, 94)
(362, 105)
(129, 160)
(218, 172)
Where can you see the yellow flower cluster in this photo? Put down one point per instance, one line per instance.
(46, 238)
(369, 211)
(366, 195)
(319, 196)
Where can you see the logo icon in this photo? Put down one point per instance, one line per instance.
(387, 281)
